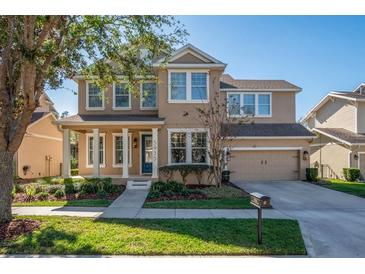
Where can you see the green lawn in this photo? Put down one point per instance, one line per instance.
(85, 202)
(354, 188)
(229, 203)
(69, 235)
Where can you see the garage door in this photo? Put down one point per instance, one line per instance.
(264, 165)
(362, 164)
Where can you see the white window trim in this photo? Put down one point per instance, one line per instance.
(88, 135)
(114, 99)
(129, 145)
(141, 96)
(188, 86)
(87, 107)
(257, 115)
(188, 132)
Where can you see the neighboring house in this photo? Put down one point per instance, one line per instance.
(339, 121)
(40, 153)
(159, 126)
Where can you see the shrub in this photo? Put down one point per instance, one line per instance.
(171, 188)
(59, 193)
(89, 187)
(69, 188)
(42, 196)
(311, 174)
(185, 170)
(56, 181)
(74, 172)
(107, 185)
(74, 163)
(18, 188)
(351, 174)
(53, 188)
(13, 192)
(101, 194)
(30, 191)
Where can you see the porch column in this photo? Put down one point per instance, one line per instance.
(66, 154)
(155, 153)
(96, 162)
(125, 153)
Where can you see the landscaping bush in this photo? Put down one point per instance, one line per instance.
(101, 194)
(351, 174)
(30, 191)
(42, 196)
(18, 188)
(69, 188)
(53, 188)
(89, 187)
(168, 189)
(57, 181)
(185, 170)
(311, 174)
(59, 193)
(13, 192)
(74, 172)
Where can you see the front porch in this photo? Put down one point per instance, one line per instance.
(102, 153)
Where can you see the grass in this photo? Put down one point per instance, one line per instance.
(85, 202)
(229, 203)
(354, 188)
(84, 236)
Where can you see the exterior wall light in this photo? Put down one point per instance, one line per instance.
(305, 155)
(356, 157)
(135, 142)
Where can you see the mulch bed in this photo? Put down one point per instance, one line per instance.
(18, 227)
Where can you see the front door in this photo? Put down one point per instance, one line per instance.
(146, 153)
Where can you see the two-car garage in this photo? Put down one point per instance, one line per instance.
(264, 164)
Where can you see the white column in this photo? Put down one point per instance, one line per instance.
(154, 153)
(66, 154)
(96, 162)
(125, 153)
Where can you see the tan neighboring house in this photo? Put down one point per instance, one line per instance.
(40, 153)
(339, 121)
(130, 137)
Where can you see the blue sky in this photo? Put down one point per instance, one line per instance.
(317, 53)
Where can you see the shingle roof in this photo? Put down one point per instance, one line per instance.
(227, 82)
(79, 118)
(343, 134)
(37, 115)
(269, 130)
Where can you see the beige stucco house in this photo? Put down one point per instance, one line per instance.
(40, 153)
(130, 136)
(339, 121)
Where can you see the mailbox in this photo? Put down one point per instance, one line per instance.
(259, 200)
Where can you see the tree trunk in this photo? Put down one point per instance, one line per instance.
(6, 185)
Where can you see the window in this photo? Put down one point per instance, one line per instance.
(148, 96)
(198, 86)
(199, 147)
(244, 103)
(187, 146)
(188, 87)
(122, 98)
(118, 149)
(94, 96)
(264, 104)
(178, 86)
(90, 149)
(178, 147)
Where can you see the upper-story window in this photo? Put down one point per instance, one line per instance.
(94, 97)
(148, 96)
(253, 104)
(121, 96)
(188, 86)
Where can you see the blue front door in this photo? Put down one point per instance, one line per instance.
(146, 153)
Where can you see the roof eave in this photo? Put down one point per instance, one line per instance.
(261, 89)
(103, 123)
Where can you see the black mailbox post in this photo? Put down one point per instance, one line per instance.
(259, 201)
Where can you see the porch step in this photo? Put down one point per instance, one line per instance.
(139, 184)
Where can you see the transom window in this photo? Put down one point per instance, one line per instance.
(148, 96)
(122, 96)
(188, 146)
(94, 96)
(190, 86)
(90, 149)
(118, 149)
(253, 104)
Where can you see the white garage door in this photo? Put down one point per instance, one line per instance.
(264, 165)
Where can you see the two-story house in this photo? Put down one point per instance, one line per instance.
(339, 121)
(130, 136)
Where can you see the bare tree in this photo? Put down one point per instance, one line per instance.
(214, 117)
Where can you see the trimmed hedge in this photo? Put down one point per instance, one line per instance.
(351, 174)
(185, 170)
(311, 174)
(170, 188)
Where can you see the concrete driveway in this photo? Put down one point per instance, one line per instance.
(332, 222)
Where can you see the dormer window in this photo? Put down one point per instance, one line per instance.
(188, 86)
(94, 97)
(121, 96)
(256, 104)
